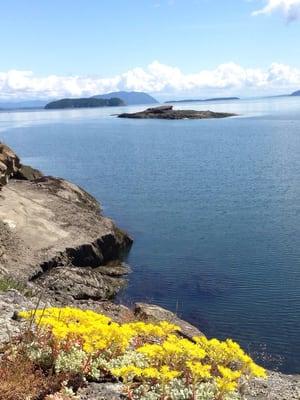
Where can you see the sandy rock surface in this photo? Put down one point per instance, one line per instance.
(51, 229)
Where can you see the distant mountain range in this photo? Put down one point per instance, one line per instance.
(90, 102)
(297, 93)
(202, 100)
(129, 98)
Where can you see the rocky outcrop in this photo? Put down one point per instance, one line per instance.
(27, 173)
(167, 112)
(9, 164)
(277, 387)
(10, 167)
(153, 313)
(53, 234)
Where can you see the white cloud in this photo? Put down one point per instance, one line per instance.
(155, 78)
(289, 8)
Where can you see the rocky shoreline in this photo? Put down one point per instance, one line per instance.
(57, 248)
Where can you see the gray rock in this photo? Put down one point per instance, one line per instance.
(12, 302)
(10, 167)
(50, 223)
(167, 112)
(80, 283)
(27, 173)
(101, 391)
(9, 164)
(115, 269)
(276, 387)
(153, 313)
(117, 312)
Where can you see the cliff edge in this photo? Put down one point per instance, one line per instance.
(53, 234)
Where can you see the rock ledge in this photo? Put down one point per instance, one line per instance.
(52, 233)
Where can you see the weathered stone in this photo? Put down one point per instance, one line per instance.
(50, 223)
(167, 112)
(11, 302)
(151, 312)
(9, 164)
(80, 283)
(117, 312)
(101, 391)
(27, 173)
(115, 269)
(68, 191)
(276, 387)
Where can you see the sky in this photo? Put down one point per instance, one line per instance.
(168, 48)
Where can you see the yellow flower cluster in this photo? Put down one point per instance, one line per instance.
(166, 356)
(229, 353)
(95, 331)
(130, 372)
(174, 351)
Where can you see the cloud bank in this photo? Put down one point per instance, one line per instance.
(156, 78)
(289, 8)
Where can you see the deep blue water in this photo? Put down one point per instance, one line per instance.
(213, 206)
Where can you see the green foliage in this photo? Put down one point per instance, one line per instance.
(7, 283)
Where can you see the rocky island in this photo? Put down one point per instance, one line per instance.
(57, 249)
(167, 112)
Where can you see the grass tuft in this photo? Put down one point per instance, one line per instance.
(7, 283)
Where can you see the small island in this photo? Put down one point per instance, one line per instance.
(167, 112)
(89, 102)
(203, 100)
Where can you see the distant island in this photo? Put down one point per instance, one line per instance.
(167, 112)
(113, 99)
(297, 93)
(89, 102)
(129, 98)
(202, 100)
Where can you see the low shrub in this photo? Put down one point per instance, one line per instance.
(152, 361)
(22, 379)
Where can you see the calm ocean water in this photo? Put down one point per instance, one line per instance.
(213, 206)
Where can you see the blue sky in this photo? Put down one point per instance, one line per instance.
(98, 45)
